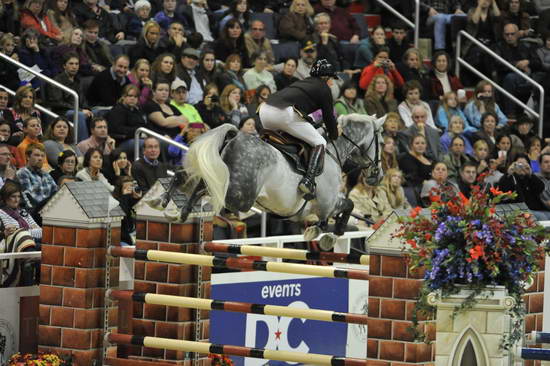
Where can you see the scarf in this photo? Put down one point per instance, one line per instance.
(17, 217)
(443, 78)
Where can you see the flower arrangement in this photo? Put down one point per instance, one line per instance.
(463, 243)
(220, 360)
(41, 359)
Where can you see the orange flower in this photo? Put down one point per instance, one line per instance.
(492, 210)
(412, 243)
(435, 198)
(476, 252)
(464, 199)
(415, 211)
(496, 191)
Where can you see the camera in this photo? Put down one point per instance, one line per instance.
(214, 99)
(386, 64)
(520, 166)
(135, 187)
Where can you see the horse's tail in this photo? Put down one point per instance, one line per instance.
(203, 160)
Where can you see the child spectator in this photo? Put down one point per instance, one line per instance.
(139, 76)
(449, 107)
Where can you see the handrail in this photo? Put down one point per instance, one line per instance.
(415, 25)
(461, 61)
(38, 106)
(50, 81)
(183, 147)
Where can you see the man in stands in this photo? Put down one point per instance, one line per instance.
(188, 71)
(100, 138)
(37, 186)
(420, 127)
(106, 88)
(344, 26)
(308, 55)
(467, 178)
(200, 16)
(5, 112)
(149, 169)
(98, 51)
(256, 41)
(174, 41)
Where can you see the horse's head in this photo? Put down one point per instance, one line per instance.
(363, 133)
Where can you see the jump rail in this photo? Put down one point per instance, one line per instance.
(240, 307)
(296, 254)
(205, 348)
(238, 263)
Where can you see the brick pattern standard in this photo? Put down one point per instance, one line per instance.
(72, 291)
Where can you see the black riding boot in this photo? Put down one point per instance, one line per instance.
(315, 168)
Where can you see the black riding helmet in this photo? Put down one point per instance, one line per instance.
(322, 67)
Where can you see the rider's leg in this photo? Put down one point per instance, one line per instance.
(307, 184)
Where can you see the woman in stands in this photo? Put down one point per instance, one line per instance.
(438, 187)
(258, 75)
(413, 92)
(456, 156)
(207, 65)
(31, 53)
(382, 65)
(369, 201)
(65, 165)
(286, 76)
(12, 216)
(533, 150)
(238, 10)
(389, 154)
(209, 107)
(484, 164)
(147, 46)
(72, 42)
(120, 167)
(140, 77)
(348, 101)
(164, 68)
(23, 107)
(260, 95)
(416, 167)
(33, 15)
(58, 138)
(163, 117)
(487, 131)
(412, 68)
(61, 14)
(456, 128)
(231, 41)
(392, 184)
(449, 108)
(392, 126)
(231, 73)
(297, 23)
(379, 99)
(483, 101)
(230, 101)
(441, 79)
(93, 161)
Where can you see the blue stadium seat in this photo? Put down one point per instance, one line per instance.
(285, 50)
(362, 23)
(269, 23)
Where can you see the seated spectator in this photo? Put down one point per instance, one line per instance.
(520, 179)
(90, 9)
(71, 42)
(297, 23)
(484, 164)
(174, 40)
(344, 27)
(61, 15)
(449, 108)
(23, 107)
(9, 19)
(8, 72)
(209, 108)
(381, 65)
(513, 14)
(7, 139)
(416, 167)
(398, 43)
(412, 68)
(62, 102)
(286, 76)
(106, 88)
(487, 131)
(442, 80)
(348, 102)
(98, 51)
(533, 150)
(7, 166)
(188, 71)
(179, 100)
(413, 92)
(238, 10)
(379, 99)
(438, 187)
(248, 125)
(544, 176)
(33, 15)
(65, 166)
(13, 217)
(483, 101)
(200, 16)
(149, 169)
(163, 68)
(93, 161)
(392, 126)
(125, 118)
(59, 138)
(138, 18)
(32, 54)
(167, 15)
(230, 102)
(147, 46)
(162, 117)
(231, 74)
(127, 194)
(420, 116)
(456, 129)
(186, 138)
(389, 154)
(121, 166)
(140, 77)
(440, 14)
(467, 178)
(261, 94)
(33, 132)
(392, 184)
(503, 155)
(256, 41)
(207, 65)
(456, 157)
(37, 185)
(368, 48)
(522, 132)
(99, 138)
(328, 46)
(231, 41)
(5, 113)
(543, 54)
(258, 75)
(369, 201)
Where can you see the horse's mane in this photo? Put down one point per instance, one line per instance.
(343, 120)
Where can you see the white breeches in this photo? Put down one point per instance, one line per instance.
(286, 119)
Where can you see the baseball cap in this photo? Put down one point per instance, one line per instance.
(178, 83)
(308, 45)
(191, 52)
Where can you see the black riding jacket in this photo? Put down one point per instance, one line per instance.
(307, 96)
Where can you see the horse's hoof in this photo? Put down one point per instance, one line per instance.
(172, 215)
(327, 242)
(312, 232)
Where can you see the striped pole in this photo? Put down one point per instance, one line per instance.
(534, 354)
(296, 254)
(538, 337)
(238, 263)
(240, 307)
(205, 348)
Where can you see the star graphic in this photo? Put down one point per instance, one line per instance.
(278, 334)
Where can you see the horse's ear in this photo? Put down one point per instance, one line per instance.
(380, 122)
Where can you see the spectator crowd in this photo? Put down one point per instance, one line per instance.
(181, 68)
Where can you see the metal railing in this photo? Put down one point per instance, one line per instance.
(169, 141)
(53, 82)
(36, 105)
(461, 61)
(415, 26)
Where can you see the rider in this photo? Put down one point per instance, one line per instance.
(288, 110)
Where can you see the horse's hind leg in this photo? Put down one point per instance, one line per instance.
(341, 215)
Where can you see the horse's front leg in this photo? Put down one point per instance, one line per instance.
(313, 231)
(341, 215)
(160, 203)
(198, 192)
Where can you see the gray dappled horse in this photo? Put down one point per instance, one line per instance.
(240, 171)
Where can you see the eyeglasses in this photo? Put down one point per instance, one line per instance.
(509, 34)
(257, 29)
(132, 95)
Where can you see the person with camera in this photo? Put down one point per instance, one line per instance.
(519, 178)
(127, 193)
(381, 65)
(482, 102)
(209, 108)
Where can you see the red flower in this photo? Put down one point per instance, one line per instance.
(464, 199)
(476, 252)
(428, 236)
(496, 191)
(492, 210)
(412, 243)
(415, 211)
(435, 198)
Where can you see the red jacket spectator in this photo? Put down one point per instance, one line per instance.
(437, 87)
(29, 20)
(370, 71)
(344, 26)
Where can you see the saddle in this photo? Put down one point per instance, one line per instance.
(296, 151)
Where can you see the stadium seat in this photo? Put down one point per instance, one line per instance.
(362, 23)
(285, 50)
